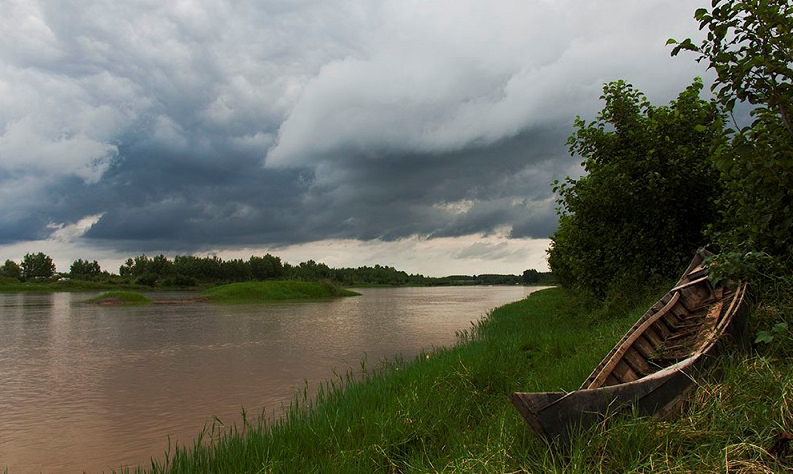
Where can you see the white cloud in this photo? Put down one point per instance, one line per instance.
(455, 207)
(449, 75)
(71, 233)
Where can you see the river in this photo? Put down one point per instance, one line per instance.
(92, 388)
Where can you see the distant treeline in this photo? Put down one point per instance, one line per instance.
(188, 271)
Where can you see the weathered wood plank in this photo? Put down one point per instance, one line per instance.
(643, 346)
(637, 362)
(623, 372)
(655, 340)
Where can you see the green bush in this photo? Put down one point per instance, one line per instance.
(748, 45)
(640, 211)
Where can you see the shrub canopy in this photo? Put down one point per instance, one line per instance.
(648, 192)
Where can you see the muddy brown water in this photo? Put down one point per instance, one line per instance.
(91, 388)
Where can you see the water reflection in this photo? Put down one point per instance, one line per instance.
(85, 387)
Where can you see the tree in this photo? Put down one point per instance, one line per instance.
(11, 269)
(750, 46)
(37, 265)
(84, 269)
(649, 190)
(312, 271)
(267, 267)
(160, 266)
(126, 268)
(236, 270)
(530, 276)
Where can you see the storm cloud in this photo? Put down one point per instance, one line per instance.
(191, 126)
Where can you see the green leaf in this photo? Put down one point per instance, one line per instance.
(763, 336)
(779, 328)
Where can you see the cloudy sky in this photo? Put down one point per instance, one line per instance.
(418, 134)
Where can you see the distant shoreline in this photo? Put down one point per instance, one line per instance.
(234, 293)
(8, 285)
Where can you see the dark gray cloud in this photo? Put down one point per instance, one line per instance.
(193, 125)
(155, 199)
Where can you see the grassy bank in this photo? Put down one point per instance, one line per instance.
(12, 285)
(263, 291)
(449, 411)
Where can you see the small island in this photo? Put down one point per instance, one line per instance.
(274, 290)
(235, 293)
(120, 298)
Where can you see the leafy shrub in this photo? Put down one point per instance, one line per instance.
(648, 194)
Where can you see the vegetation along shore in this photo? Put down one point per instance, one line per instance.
(449, 410)
(37, 272)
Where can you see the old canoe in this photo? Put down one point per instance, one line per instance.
(654, 365)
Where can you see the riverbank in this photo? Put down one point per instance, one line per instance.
(12, 285)
(449, 410)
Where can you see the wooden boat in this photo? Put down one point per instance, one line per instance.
(654, 365)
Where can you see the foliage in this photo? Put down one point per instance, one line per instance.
(11, 269)
(187, 271)
(84, 269)
(184, 269)
(179, 281)
(147, 279)
(143, 266)
(530, 276)
(778, 330)
(640, 210)
(37, 266)
(266, 267)
(750, 46)
(376, 275)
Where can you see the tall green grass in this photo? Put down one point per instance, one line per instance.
(448, 411)
(262, 291)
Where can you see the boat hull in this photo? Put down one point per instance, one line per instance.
(557, 416)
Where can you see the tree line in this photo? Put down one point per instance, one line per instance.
(661, 181)
(188, 271)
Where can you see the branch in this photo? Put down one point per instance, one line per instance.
(782, 107)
